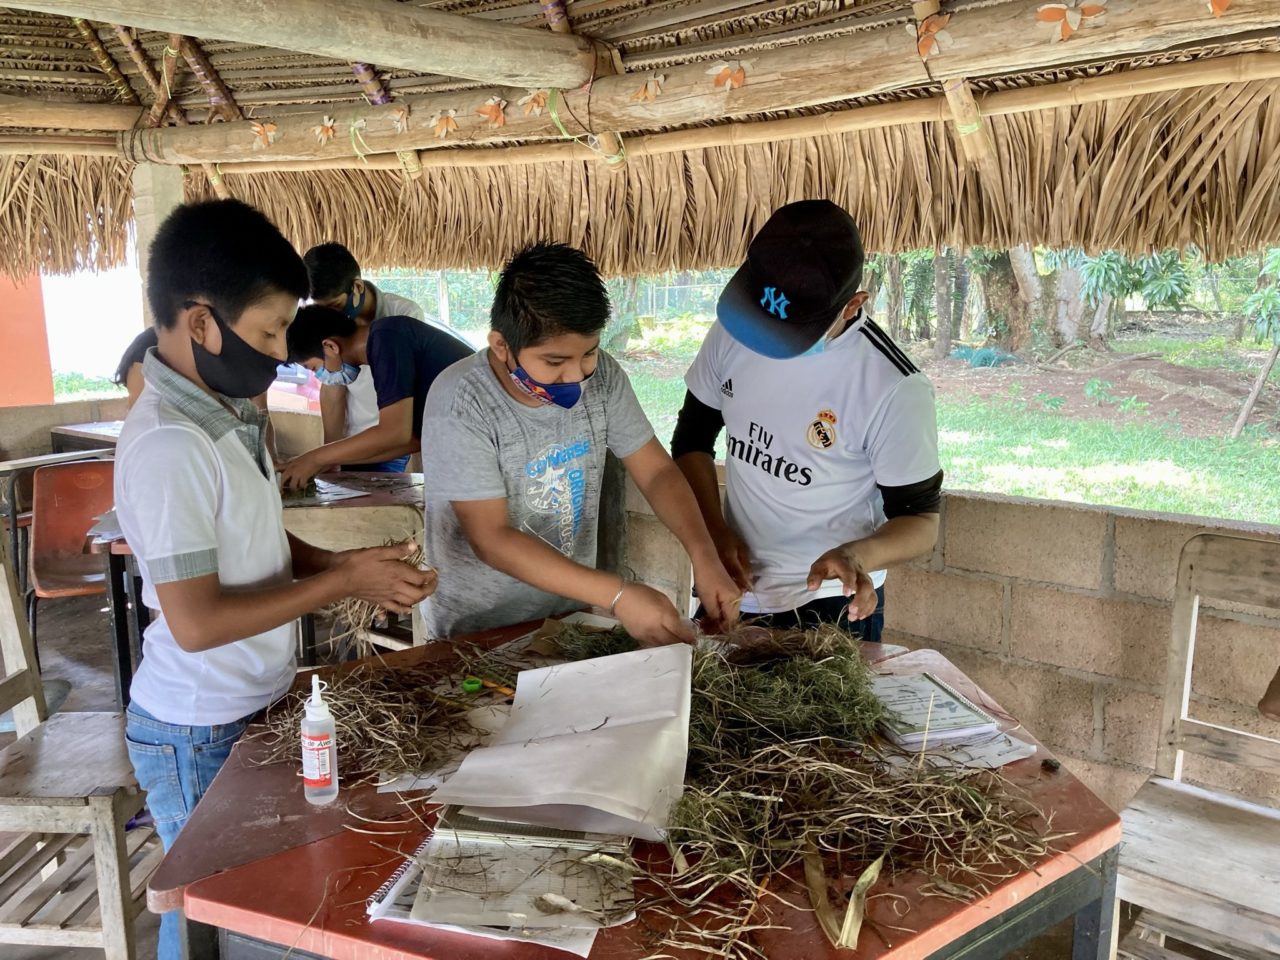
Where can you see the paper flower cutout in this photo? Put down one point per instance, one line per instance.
(1218, 7)
(731, 75)
(931, 35)
(444, 123)
(1068, 17)
(650, 89)
(264, 134)
(400, 118)
(324, 130)
(534, 103)
(494, 111)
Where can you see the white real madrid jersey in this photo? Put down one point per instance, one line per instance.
(808, 440)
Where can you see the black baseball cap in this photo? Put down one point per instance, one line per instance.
(802, 267)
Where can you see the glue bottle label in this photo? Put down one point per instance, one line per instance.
(316, 771)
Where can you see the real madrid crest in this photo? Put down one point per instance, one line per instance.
(822, 432)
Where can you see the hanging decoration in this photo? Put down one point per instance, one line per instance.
(444, 123)
(931, 35)
(651, 89)
(494, 111)
(1218, 7)
(324, 130)
(1066, 18)
(264, 134)
(534, 103)
(729, 75)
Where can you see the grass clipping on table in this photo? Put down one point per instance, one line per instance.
(780, 777)
(388, 722)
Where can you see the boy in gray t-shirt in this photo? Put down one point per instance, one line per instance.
(513, 446)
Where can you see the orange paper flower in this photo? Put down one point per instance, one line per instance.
(444, 123)
(264, 134)
(650, 89)
(1218, 7)
(1068, 17)
(729, 76)
(400, 118)
(493, 111)
(324, 130)
(534, 103)
(931, 35)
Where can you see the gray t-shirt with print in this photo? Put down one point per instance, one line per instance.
(479, 443)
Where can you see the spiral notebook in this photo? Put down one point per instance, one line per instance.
(919, 707)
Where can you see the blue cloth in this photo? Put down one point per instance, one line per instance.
(175, 765)
(405, 356)
(399, 465)
(826, 610)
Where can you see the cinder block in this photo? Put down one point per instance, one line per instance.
(1234, 661)
(1117, 638)
(1147, 547)
(940, 606)
(653, 554)
(1114, 783)
(1045, 541)
(1053, 706)
(1130, 726)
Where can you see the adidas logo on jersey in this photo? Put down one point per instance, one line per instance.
(727, 387)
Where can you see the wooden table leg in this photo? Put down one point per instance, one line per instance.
(118, 600)
(1095, 932)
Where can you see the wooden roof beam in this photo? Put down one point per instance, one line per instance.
(62, 115)
(385, 32)
(856, 65)
(221, 99)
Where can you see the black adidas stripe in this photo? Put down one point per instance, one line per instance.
(884, 343)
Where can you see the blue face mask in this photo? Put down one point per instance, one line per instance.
(564, 395)
(817, 348)
(353, 306)
(338, 378)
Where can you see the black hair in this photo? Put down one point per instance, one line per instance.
(134, 353)
(332, 270)
(547, 289)
(312, 326)
(223, 251)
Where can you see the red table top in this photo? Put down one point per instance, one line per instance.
(257, 859)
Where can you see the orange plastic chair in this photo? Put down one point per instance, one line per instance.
(66, 500)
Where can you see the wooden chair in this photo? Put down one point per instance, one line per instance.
(1203, 865)
(70, 875)
(66, 499)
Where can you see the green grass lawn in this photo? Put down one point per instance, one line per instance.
(1008, 446)
(1222, 353)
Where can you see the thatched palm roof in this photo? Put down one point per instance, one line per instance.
(1196, 162)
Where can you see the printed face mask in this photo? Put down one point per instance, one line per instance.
(338, 378)
(240, 370)
(564, 395)
(353, 306)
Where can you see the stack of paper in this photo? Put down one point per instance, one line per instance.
(920, 709)
(596, 746)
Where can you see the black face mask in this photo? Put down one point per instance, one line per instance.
(239, 370)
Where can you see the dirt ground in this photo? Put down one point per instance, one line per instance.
(1203, 401)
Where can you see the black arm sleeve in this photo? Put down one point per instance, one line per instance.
(914, 498)
(697, 428)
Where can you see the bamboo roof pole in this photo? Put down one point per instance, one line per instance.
(106, 61)
(392, 34)
(609, 144)
(179, 116)
(221, 99)
(25, 112)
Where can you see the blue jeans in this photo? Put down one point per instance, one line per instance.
(826, 610)
(175, 765)
(397, 465)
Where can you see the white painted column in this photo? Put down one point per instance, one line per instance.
(157, 190)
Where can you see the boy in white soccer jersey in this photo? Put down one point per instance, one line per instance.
(832, 471)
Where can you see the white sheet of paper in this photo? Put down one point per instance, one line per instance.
(986, 752)
(595, 745)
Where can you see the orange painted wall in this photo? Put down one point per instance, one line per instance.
(25, 374)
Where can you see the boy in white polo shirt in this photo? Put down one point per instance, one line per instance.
(832, 471)
(199, 504)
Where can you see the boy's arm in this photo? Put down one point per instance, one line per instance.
(663, 485)
(645, 613)
(203, 614)
(333, 411)
(308, 559)
(392, 436)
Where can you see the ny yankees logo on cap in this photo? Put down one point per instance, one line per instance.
(775, 301)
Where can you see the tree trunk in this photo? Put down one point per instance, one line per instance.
(1101, 320)
(1008, 305)
(442, 298)
(893, 303)
(872, 281)
(1256, 391)
(942, 302)
(959, 292)
(1068, 306)
(975, 314)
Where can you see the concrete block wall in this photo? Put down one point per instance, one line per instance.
(24, 431)
(1061, 613)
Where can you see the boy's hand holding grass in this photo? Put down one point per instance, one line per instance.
(841, 563)
(381, 575)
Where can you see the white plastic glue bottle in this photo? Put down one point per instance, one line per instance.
(319, 749)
